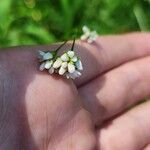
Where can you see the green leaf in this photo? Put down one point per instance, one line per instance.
(141, 17)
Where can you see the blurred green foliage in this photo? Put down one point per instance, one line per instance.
(25, 22)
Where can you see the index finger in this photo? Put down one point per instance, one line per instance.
(105, 53)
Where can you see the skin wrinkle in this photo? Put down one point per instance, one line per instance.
(63, 126)
(69, 133)
(134, 123)
(47, 129)
(47, 139)
(146, 147)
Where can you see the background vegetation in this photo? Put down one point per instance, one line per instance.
(24, 22)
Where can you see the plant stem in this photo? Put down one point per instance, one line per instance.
(60, 47)
(72, 48)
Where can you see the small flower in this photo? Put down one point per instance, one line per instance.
(88, 35)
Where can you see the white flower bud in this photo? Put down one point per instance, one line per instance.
(51, 70)
(74, 59)
(64, 57)
(47, 56)
(57, 63)
(64, 64)
(79, 65)
(70, 54)
(48, 64)
(62, 70)
(42, 66)
(71, 68)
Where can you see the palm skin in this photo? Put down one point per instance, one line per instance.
(45, 111)
(39, 111)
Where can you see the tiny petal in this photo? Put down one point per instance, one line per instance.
(62, 70)
(76, 74)
(57, 63)
(64, 57)
(41, 53)
(47, 56)
(71, 68)
(79, 65)
(48, 64)
(74, 59)
(70, 54)
(85, 29)
(93, 34)
(64, 64)
(42, 66)
(73, 75)
(83, 37)
(51, 70)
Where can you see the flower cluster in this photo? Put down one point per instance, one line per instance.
(68, 64)
(88, 35)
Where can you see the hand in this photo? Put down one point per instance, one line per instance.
(46, 112)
